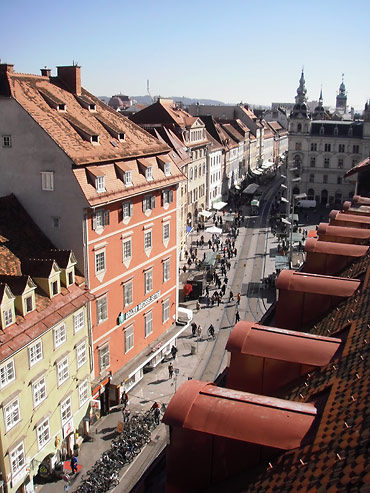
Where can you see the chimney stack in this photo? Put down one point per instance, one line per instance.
(5, 69)
(46, 72)
(71, 76)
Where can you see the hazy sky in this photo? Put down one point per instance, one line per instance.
(236, 50)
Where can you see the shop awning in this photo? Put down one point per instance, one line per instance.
(189, 229)
(219, 205)
(251, 188)
(256, 172)
(267, 164)
(206, 214)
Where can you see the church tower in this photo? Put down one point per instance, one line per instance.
(319, 112)
(341, 105)
(299, 116)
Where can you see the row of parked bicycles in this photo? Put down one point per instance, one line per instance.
(104, 475)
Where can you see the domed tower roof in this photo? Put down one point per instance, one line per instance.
(300, 108)
(342, 97)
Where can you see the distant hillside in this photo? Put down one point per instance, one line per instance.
(186, 101)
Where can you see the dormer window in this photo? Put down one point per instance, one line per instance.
(167, 169)
(121, 136)
(54, 288)
(94, 139)
(148, 173)
(28, 304)
(128, 178)
(322, 130)
(62, 107)
(100, 184)
(70, 277)
(8, 316)
(92, 107)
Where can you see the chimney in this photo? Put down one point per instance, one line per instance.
(46, 72)
(5, 69)
(71, 76)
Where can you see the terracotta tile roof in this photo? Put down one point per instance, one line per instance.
(21, 239)
(365, 164)
(343, 234)
(114, 185)
(32, 93)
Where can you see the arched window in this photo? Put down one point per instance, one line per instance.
(299, 127)
(310, 194)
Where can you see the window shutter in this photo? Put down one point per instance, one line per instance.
(152, 202)
(106, 218)
(144, 204)
(162, 202)
(170, 196)
(131, 209)
(94, 222)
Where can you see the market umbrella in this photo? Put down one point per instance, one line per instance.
(214, 230)
(188, 288)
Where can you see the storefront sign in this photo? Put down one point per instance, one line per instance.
(95, 404)
(68, 428)
(142, 305)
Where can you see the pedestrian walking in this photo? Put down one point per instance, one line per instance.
(193, 329)
(218, 300)
(226, 280)
(170, 370)
(237, 317)
(211, 331)
(207, 290)
(126, 415)
(231, 296)
(157, 413)
(238, 298)
(74, 464)
(199, 331)
(208, 300)
(174, 351)
(124, 399)
(223, 289)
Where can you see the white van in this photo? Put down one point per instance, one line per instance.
(184, 315)
(306, 204)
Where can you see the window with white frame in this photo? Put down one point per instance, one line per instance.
(39, 391)
(71, 277)
(127, 209)
(128, 178)
(7, 141)
(165, 310)
(28, 304)
(17, 459)
(147, 239)
(43, 433)
(128, 293)
(60, 335)
(104, 359)
(66, 410)
(47, 181)
(341, 148)
(167, 196)
(100, 184)
(148, 202)
(79, 321)
(81, 354)
(149, 173)
(148, 280)
(148, 321)
(55, 288)
(35, 353)
(12, 414)
(167, 169)
(166, 270)
(166, 231)
(100, 262)
(129, 338)
(7, 373)
(127, 249)
(62, 371)
(100, 219)
(102, 309)
(83, 392)
(8, 316)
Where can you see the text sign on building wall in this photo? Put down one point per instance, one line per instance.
(142, 305)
